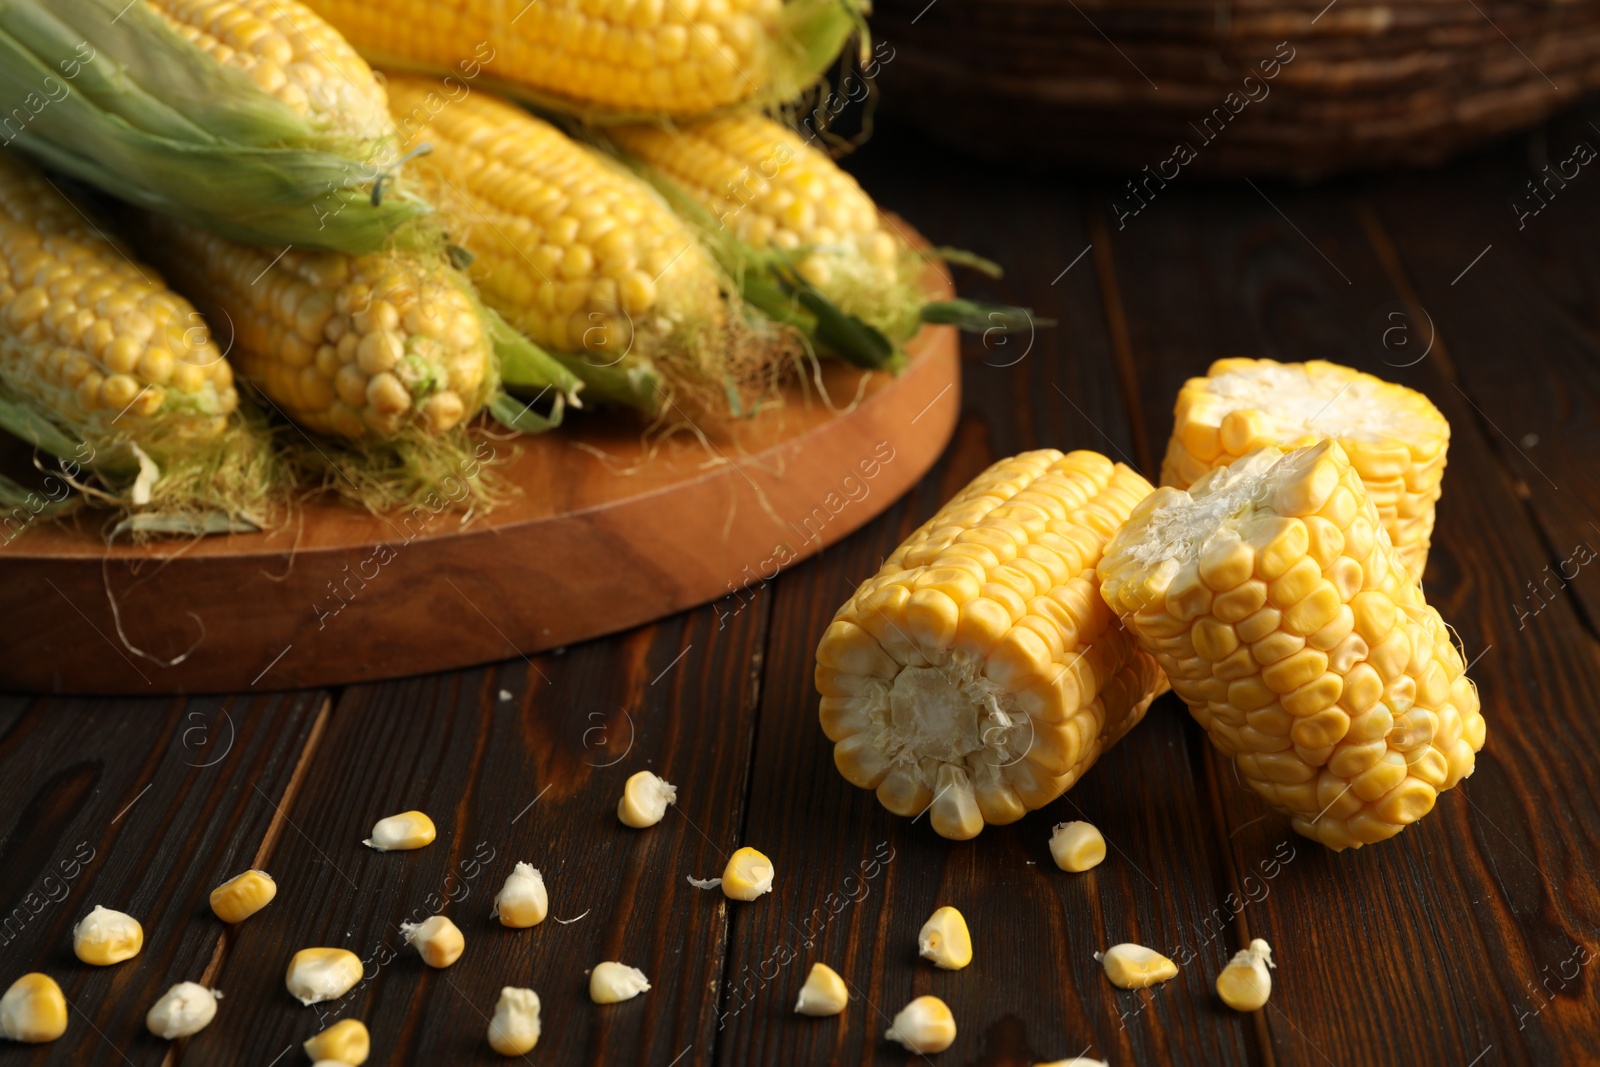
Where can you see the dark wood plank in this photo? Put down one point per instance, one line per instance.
(1366, 939)
(524, 761)
(143, 806)
(1034, 991)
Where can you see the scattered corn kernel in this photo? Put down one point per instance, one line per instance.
(105, 937)
(1134, 966)
(346, 1041)
(1245, 984)
(243, 895)
(1077, 846)
(522, 901)
(33, 1010)
(945, 940)
(1075, 1061)
(318, 974)
(398, 833)
(185, 1009)
(644, 800)
(437, 939)
(514, 1030)
(824, 992)
(747, 875)
(924, 1025)
(612, 983)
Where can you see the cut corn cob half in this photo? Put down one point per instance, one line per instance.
(1395, 438)
(100, 361)
(354, 346)
(1270, 594)
(611, 61)
(773, 190)
(978, 674)
(578, 254)
(251, 117)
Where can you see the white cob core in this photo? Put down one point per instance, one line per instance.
(1295, 403)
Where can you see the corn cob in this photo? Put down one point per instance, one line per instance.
(978, 674)
(95, 339)
(1395, 438)
(1271, 596)
(355, 346)
(250, 117)
(579, 255)
(677, 57)
(773, 190)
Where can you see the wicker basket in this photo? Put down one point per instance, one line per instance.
(1121, 84)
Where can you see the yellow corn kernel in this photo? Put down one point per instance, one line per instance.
(824, 992)
(773, 189)
(1245, 984)
(33, 1010)
(514, 1030)
(1134, 966)
(644, 800)
(748, 875)
(1075, 1061)
(612, 983)
(436, 939)
(1076, 846)
(1395, 438)
(318, 974)
(346, 1041)
(104, 937)
(1352, 729)
(522, 901)
(399, 833)
(924, 1025)
(243, 895)
(945, 940)
(977, 675)
(184, 1010)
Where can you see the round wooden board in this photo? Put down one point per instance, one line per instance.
(601, 537)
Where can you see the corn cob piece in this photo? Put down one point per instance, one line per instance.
(250, 117)
(774, 190)
(355, 346)
(978, 674)
(579, 255)
(1271, 596)
(1394, 437)
(677, 57)
(95, 339)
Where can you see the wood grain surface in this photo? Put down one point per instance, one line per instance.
(1465, 941)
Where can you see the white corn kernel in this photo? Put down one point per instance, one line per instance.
(522, 901)
(514, 1030)
(1076, 846)
(185, 1009)
(437, 939)
(346, 1041)
(644, 800)
(318, 974)
(924, 1025)
(747, 875)
(33, 1010)
(824, 992)
(1245, 984)
(1076, 1061)
(1134, 966)
(105, 937)
(243, 895)
(612, 983)
(397, 833)
(945, 940)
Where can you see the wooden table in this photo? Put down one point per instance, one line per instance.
(1465, 941)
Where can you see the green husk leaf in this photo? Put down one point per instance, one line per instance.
(122, 102)
(513, 414)
(977, 316)
(632, 382)
(960, 257)
(21, 420)
(197, 525)
(526, 365)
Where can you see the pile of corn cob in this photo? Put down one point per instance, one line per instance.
(1273, 581)
(380, 258)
